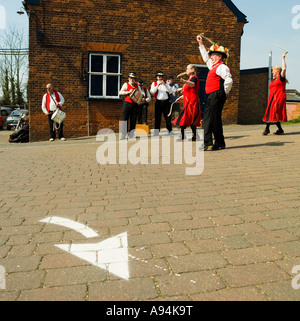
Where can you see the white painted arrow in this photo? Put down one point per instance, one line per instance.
(78, 227)
(110, 254)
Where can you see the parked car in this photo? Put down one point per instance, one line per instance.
(1, 122)
(13, 118)
(5, 112)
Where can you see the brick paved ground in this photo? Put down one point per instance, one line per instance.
(231, 233)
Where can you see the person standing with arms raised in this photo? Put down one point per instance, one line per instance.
(276, 109)
(218, 85)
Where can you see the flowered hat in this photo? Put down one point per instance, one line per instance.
(219, 49)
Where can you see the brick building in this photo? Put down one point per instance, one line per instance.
(86, 48)
(292, 104)
(253, 96)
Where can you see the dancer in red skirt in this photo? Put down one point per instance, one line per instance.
(276, 109)
(191, 113)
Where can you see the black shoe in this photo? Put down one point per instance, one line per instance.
(266, 132)
(194, 138)
(208, 148)
(218, 147)
(279, 132)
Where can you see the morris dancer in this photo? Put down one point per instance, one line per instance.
(49, 106)
(160, 89)
(130, 108)
(143, 108)
(218, 85)
(276, 109)
(191, 113)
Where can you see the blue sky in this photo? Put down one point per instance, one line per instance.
(270, 22)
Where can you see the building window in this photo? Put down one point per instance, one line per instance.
(104, 75)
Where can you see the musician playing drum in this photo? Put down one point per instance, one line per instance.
(130, 108)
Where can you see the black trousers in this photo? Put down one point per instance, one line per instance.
(142, 113)
(162, 107)
(212, 119)
(52, 128)
(129, 115)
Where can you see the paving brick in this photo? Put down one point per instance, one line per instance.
(252, 274)
(189, 238)
(197, 262)
(62, 293)
(269, 237)
(121, 290)
(189, 283)
(74, 275)
(290, 249)
(249, 293)
(252, 255)
(24, 280)
(281, 291)
(204, 246)
(170, 249)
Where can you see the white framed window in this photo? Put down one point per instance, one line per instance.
(104, 75)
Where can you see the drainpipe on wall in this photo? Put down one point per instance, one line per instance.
(270, 71)
(88, 116)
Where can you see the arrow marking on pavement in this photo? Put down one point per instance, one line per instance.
(78, 227)
(110, 255)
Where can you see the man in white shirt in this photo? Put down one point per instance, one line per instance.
(53, 100)
(161, 90)
(218, 85)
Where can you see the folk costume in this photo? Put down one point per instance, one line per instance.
(162, 103)
(143, 108)
(191, 113)
(130, 108)
(218, 85)
(276, 109)
(49, 107)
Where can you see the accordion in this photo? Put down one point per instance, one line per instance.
(136, 96)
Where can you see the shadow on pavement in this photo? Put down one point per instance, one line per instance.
(276, 144)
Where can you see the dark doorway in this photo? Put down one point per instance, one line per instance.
(202, 75)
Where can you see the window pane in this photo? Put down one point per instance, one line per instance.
(112, 64)
(96, 85)
(112, 86)
(96, 63)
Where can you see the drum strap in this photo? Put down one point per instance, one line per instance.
(54, 124)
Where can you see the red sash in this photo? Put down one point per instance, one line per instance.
(48, 100)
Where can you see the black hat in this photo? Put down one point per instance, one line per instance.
(160, 73)
(140, 82)
(132, 75)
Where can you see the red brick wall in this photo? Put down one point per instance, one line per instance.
(253, 96)
(151, 34)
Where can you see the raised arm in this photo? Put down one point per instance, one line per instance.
(283, 72)
(203, 51)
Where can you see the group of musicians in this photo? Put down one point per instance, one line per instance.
(218, 85)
